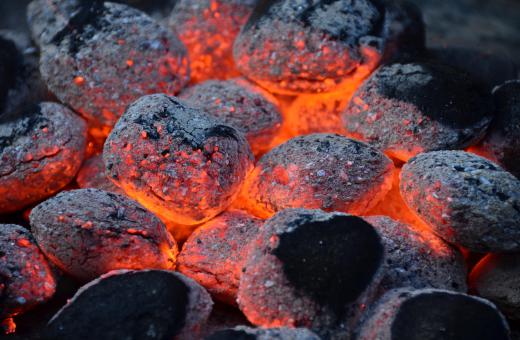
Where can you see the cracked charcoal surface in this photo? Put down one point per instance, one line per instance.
(241, 104)
(88, 232)
(318, 171)
(41, 149)
(467, 200)
(430, 314)
(26, 278)
(109, 56)
(175, 160)
(503, 140)
(495, 278)
(149, 304)
(418, 259)
(215, 253)
(93, 175)
(297, 46)
(405, 109)
(311, 269)
(247, 333)
(208, 29)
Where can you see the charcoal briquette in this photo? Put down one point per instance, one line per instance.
(93, 175)
(248, 333)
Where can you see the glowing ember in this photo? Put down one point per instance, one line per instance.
(208, 29)
(307, 47)
(26, 279)
(177, 161)
(320, 171)
(311, 269)
(465, 199)
(92, 175)
(405, 109)
(241, 104)
(429, 261)
(89, 232)
(87, 67)
(41, 149)
(215, 253)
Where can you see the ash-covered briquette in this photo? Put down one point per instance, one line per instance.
(248, 333)
(313, 269)
(502, 143)
(92, 175)
(208, 28)
(26, 278)
(108, 56)
(241, 104)
(405, 109)
(486, 67)
(177, 161)
(296, 46)
(215, 253)
(88, 232)
(466, 199)
(147, 304)
(431, 314)
(495, 278)
(20, 83)
(41, 150)
(418, 258)
(318, 171)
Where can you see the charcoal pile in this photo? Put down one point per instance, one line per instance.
(256, 169)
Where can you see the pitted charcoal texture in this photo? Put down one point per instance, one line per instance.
(108, 56)
(215, 254)
(503, 140)
(180, 163)
(297, 46)
(241, 104)
(418, 258)
(248, 333)
(41, 150)
(312, 269)
(467, 200)
(147, 304)
(430, 314)
(26, 278)
(88, 232)
(319, 171)
(495, 278)
(208, 28)
(405, 109)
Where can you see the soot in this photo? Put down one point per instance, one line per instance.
(125, 306)
(331, 261)
(452, 316)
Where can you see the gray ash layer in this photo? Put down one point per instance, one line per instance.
(248, 333)
(111, 56)
(88, 232)
(26, 278)
(41, 148)
(312, 269)
(240, 104)
(404, 109)
(418, 258)
(495, 278)
(467, 200)
(406, 314)
(147, 304)
(299, 46)
(177, 161)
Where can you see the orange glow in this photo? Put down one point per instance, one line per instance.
(79, 80)
(208, 34)
(8, 325)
